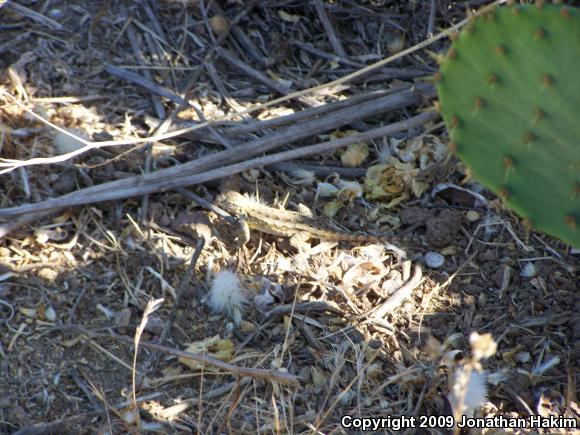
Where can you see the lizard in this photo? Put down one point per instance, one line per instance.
(297, 226)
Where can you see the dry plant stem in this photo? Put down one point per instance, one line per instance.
(208, 205)
(310, 113)
(321, 418)
(157, 105)
(55, 426)
(233, 29)
(180, 176)
(156, 25)
(399, 296)
(330, 33)
(145, 184)
(35, 16)
(388, 74)
(291, 134)
(324, 55)
(151, 86)
(13, 225)
(521, 404)
(176, 304)
(432, 14)
(161, 128)
(203, 11)
(204, 359)
(132, 36)
(212, 131)
(151, 307)
(238, 33)
(234, 404)
(73, 373)
(219, 84)
(65, 423)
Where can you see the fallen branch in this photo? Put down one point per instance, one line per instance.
(397, 298)
(201, 358)
(181, 176)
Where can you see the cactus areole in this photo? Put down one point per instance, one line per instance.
(509, 92)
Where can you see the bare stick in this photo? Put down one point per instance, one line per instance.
(330, 33)
(305, 114)
(397, 298)
(151, 86)
(180, 176)
(239, 34)
(55, 426)
(12, 225)
(35, 16)
(324, 55)
(201, 358)
(10, 165)
(177, 303)
(432, 14)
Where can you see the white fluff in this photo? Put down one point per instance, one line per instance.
(469, 391)
(226, 296)
(528, 270)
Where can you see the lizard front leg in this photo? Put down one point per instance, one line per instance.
(243, 230)
(299, 241)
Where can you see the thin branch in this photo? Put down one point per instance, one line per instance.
(330, 33)
(177, 302)
(201, 358)
(180, 176)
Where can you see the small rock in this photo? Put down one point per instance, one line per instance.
(472, 289)
(56, 13)
(415, 215)
(434, 260)
(220, 25)
(487, 255)
(442, 230)
(65, 183)
(472, 216)
(154, 325)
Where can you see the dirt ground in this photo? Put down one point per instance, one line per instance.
(75, 281)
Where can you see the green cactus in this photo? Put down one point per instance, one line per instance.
(509, 92)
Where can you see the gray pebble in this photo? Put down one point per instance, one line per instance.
(434, 260)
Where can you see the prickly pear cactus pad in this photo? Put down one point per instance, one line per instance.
(509, 92)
